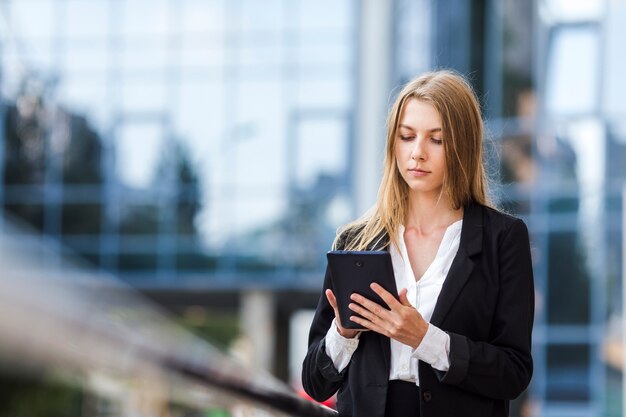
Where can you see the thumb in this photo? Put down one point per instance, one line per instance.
(404, 300)
(332, 300)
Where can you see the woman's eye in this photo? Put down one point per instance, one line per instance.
(406, 137)
(436, 141)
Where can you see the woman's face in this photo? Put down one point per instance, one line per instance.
(419, 148)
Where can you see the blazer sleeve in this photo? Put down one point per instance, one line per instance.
(502, 367)
(320, 379)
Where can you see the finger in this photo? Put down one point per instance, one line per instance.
(363, 312)
(373, 307)
(369, 325)
(385, 295)
(404, 299)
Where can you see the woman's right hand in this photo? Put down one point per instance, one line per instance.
(347, 333)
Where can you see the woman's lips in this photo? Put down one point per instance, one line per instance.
(418, 172)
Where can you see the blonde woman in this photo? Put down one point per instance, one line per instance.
(458, 341)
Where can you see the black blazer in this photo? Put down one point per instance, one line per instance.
(486, 305)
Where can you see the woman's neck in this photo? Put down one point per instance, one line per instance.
(429, 214)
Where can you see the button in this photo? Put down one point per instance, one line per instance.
(427, 396)
(405, 367)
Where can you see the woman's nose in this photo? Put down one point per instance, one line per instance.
(418, 152)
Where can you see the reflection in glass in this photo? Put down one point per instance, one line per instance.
(568, 373)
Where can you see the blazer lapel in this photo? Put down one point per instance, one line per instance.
(382, 243)
(462, 265)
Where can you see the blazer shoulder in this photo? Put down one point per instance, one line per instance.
(500, 221)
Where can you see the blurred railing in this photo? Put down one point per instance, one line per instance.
(93, 331)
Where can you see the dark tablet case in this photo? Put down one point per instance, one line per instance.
(353, 272)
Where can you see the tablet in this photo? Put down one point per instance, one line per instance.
(353, 272)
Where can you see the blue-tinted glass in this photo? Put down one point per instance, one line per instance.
(87, 19)
(568, 373)
(572, 82)
(140, 149)
(33, 19)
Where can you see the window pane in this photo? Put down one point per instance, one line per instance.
(33, 18)
(81, 219)
(90, 57)
(87, 18)
(572, 74)
(139, 151)
(202, 16)
(141, 18)
(144, 94)
(568, 373)
(568, 280)
(322, 151)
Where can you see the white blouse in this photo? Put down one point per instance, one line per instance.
(422, 294)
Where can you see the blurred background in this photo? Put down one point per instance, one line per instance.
(197, 156)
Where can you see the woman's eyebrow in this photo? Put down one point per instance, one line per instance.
(435, 130)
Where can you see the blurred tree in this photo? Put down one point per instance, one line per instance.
(40, 136)
(47, 145)
(82, 153)
(38, 397)
(24, 150)
(47, 148)
(173, 212)
(188, 194)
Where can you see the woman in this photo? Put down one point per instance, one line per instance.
(458, 341)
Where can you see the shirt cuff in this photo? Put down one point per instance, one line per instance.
(340, 349)
(434, 349)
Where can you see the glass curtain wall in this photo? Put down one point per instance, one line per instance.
(180, 142)
(577, 206)
(547, 76)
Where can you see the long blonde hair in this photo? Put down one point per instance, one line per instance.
(464, 180)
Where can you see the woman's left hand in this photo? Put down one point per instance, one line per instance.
(401, 322)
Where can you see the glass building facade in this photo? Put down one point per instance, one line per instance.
(184, 144)
(179, 142)
(546, 74)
